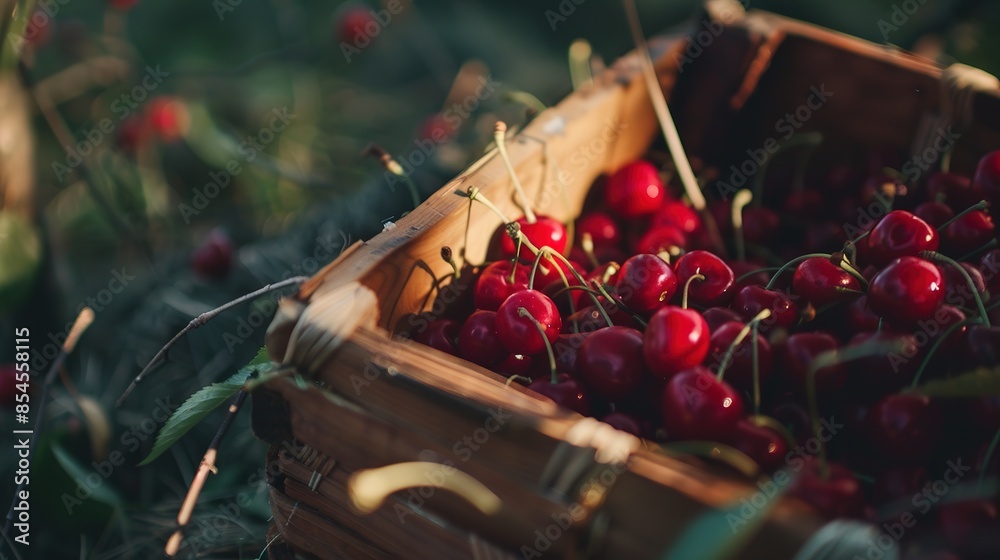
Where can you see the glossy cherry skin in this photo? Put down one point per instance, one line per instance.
(987, 177)
(635, 191)
(603, 229)
(718, 286)
(567, 392)
(739, 372)
(675, 339)
(968, 233)
(441, 334)
(494, 285)
(751, 300)
(908, 290)
(545, 232)
(519, 334)
(900, 234)
(797, 354)
(934, 213)
(646, 283)
(765, 446)
(697, 406)
(904, 427)
(518, 364)
(610, 361)
(679, 215)
(838, 495)
(566, 349)
(661, 238)
(956, 287)
(718, 316)
(213, 259)
(822, 283)
(478, 341)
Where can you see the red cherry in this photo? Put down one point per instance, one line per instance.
(168, 117)
(675, 339)
(518, 364)
(739, 372)
(744, 268)
(956, 287)
(715, 317)
(635, 191)
(797, 354)
(957, 191)
(437, 128)
(566, 349)
(494, 286)
(646, 283)
(765, 446)
(760, 224)
(441, 334)
(660, 238)
(751, 300)
(908, 290)
(610, 361)
(679, 215)
(698, 406)
(822, 283)
(122, 5)
(603, 229)
(838, 495)
(565, 392)
(353, 20)
(970, 527)
(904, 427)
(624, 422)
(214, 257)
(989, 266)
(900, 234)
(478, 341)
(987, 177)
(981, 346)
(716, 288)
(132, 134)
(545, 232)
(860, 316)
(968, 233)
(934, 213)
(518, 332)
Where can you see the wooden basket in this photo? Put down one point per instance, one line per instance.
(379, 400)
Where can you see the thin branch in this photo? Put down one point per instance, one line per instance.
(199, 321)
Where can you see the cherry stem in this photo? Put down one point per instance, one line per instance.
(791, 263)
(587, 244)
(579, 63)
(984, 247)
(475, 194)
(618, 303)
(937, 344)
(933, 255)
(764, 421)
(513, 262)
(755, 364)
(498, 136)
(981, 205)
(846, 265)
(743, 277)
(740, 200)
(728, 357)
(514, 378)
(986, 460)
(523, 312)
(946, 159)
(448, 257)
(687, 286)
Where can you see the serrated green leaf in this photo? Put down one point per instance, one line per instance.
(197, 408)
(982, 382)
(261, 358)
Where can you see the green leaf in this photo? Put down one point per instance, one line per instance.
(722, 533)
(21, 255)
(261, 359)
(198, 406)
(982, 382)
(102, 492)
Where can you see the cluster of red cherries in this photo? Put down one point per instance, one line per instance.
(801, 358)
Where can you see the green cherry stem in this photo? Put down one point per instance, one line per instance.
(743, 277)
(986, 459)
(687, 286)
(935, 256)
(937, 344)
(750, 326)
(448, 257)
(587, 244)
(981, 205)
(474, 193)
(740, 200)
(523, 312)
